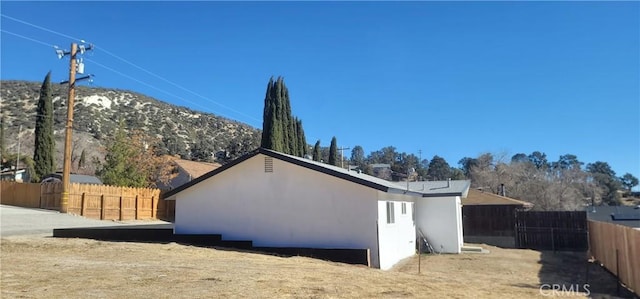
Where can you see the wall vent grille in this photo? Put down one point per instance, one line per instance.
(268, 164)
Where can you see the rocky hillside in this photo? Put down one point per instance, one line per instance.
(180, 131)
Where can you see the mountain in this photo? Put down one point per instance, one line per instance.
(179, 130)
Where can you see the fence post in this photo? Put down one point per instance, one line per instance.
(101, 206)
(153, 207)
(137, 208)
(121, 208)
(83, 207)
(553, 243)
(617, 273)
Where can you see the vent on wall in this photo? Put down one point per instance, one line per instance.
(268, 164)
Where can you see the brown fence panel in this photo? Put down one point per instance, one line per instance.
(91, 201)
(166, 210)
(616, 247)
(20, 194)
(489, 220)
(552, 230)
(50, 194)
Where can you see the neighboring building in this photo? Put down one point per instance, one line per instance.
(623, 215)
(73, 178)
(21, 175)
(382, 171)
(186, 171)
(490, 218)
(278, 200)
(439, 212)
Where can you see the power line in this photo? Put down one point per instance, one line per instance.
(27, 38)
(39, 27)
(127, 76)
(136, 66)
(148, 85)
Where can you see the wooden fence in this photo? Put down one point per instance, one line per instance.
(489, 220)
(552, 230)
(617, 248)
(20, 194)
(91, 201)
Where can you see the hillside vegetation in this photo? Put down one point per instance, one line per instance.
(179, 130)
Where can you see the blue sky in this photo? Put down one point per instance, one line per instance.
(454, 79)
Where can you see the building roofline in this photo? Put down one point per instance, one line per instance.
(296, 161)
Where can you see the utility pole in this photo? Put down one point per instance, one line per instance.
(15, 173)
(66, 169)
(342, 155)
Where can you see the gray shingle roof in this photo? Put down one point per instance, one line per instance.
(439, 188)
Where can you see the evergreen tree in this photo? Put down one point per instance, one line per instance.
(2, 145)
(629, 181)
(83, 159)
(357, 157)
(118, 169)
(439, 169)
(606, 179)
(333, 152)
(302, 140)
(280, 130)
(316, 151)
(43, 156)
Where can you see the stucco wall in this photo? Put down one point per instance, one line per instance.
(397, 240)
(292, 206)
(440, 219)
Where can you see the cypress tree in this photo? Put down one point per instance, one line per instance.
(44, 143)
(267, 118)
(280, 130)
(316, 151)
(2, 146)
(333, 152)
(83, 159)
(302, 140)
(295, 149)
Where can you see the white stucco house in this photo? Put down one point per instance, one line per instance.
(439, 212)
(278, 200)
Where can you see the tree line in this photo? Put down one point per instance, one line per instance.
(135, 159)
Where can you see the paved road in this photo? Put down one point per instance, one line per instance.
(15, 221)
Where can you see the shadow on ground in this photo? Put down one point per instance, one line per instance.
(565, 273)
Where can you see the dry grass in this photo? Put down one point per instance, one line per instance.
(77, 268)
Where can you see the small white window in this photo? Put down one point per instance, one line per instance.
(413, 212)
(391, 217)
(404, 208)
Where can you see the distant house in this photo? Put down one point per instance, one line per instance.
(490, 218)
(20, 175)
(623, 215)
(186, 171)
(279, 200)
(381, 170)
(439, 212)
(73, 178)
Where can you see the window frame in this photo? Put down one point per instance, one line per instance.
(391, 214)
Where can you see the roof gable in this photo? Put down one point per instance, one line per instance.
(352, 176)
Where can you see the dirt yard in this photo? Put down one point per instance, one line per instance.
(37, 267)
